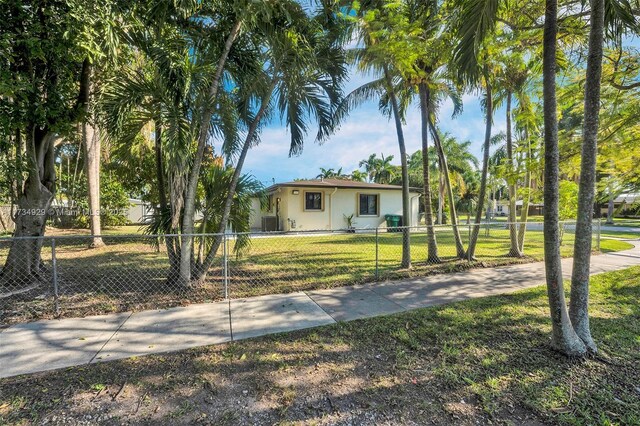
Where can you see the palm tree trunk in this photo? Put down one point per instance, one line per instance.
(406, 209)
(170, 242)
(432, 245)
(564, 338)
(444, 171)
(194, 174)
(485, 168)
(610, 206)
(440, 193)
(514, 251)
(92, 149)
(578, 305)
(203, 267)
(524, 214)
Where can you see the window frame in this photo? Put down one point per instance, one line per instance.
(375, 194)
(304, 201)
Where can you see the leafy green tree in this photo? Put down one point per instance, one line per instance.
(114, 203)
(49, 46)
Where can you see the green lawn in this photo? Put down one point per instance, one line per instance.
(484, 361)
(285, 264)
(130, 274)
(621, 234)
(620, 221)
(532, 218)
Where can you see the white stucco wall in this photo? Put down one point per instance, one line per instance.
(336, 204)
(256, 214)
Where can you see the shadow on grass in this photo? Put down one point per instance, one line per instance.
(475, 362)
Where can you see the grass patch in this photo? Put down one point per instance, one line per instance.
(621, 234)
(474, 362)
(129, 274)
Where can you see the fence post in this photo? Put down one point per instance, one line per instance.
(468, 245)
(54, 267)
(377, 273)
(225, 265)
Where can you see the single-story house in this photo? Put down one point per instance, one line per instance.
(323, 204)
(627, 204)
(501, 208)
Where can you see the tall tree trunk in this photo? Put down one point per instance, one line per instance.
(194, 174)
(165, 209)
(432, 245)
(406, 208)
(514, 251)
(579, 302)
(444, 171)
(564, 338)
(23, 266)
(524, 214)
(610, 206)
(91, 148)
(440, 191)
(485, 167)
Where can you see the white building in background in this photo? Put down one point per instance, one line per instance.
(500, 208)
(323, 204)
(139, 211)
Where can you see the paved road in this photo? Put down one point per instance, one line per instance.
(52, 344)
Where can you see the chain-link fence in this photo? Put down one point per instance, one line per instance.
(81, 275)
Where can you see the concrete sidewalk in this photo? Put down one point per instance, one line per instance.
(47, 345)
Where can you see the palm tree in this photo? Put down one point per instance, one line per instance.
(527, 125)
(358, 176)
(91, 144)
(458, 160)
(326, 173)
(579, 302)
(512, 75)
(296, 72)
(469, 193)
(379, 170)
(331, 174)
(302, 82)
(371, 27)
(476, 21)
(487, 83)
(564, 337)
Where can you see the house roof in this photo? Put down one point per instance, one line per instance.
(628, 198)
(337, 183)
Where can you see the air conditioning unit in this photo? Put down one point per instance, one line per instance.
(269, 224)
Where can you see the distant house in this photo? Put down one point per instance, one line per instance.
(501, 208)
(627, 204)
(139, 211)
(323, 204)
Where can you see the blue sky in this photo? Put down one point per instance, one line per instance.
(366, 131)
